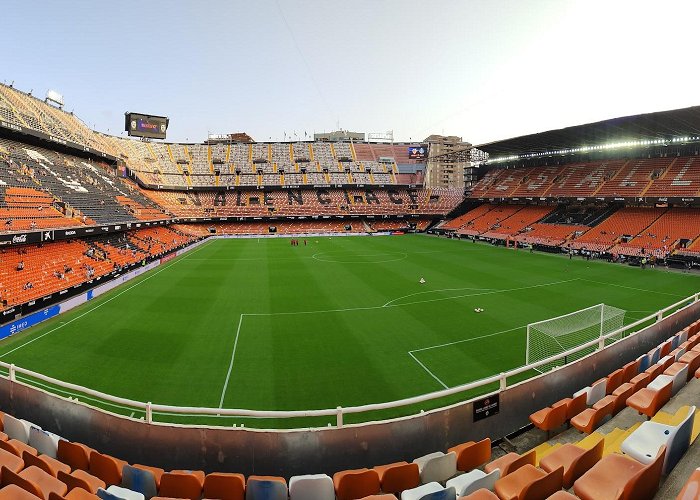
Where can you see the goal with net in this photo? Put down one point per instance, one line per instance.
(556, 335)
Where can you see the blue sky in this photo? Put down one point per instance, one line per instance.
(481, 69)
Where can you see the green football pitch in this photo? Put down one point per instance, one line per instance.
(341, 321)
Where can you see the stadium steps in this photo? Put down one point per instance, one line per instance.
(647, 187)
(604, 183)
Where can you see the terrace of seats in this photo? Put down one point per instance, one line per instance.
(550, 234)
(487, 220)
(664, 234)
(628, 221)
(682, 178)
(583, 180)
(517, 222)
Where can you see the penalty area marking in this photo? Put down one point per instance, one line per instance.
(403, 256)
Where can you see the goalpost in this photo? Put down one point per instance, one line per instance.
(549, 337)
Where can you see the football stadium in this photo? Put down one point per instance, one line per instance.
(342, 315)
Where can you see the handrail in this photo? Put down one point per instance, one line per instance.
(339, 412)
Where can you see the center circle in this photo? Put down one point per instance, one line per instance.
(364, 258)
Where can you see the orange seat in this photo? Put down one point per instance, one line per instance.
(224, 486)
(617, 476)
(76, 455)
(180, 485)
(529, 482)
(381, 496)
(654, 371)
(355, 483)
(691, 490)
(511, 462)
(692, 359)
(562, 495)
(472, 454)
(74, 494)
(575, 461)
(648, 401)
(666, 348)
(199, 474)
(576, 405)
(11, 461)
(17, 447)
(45, 463)
(614, 380)
(81, 479)
(630, 370)
(106, 467)
(621, 395)
(14, 492)
(482, 494)
(45, 481)
(589, 419)
(548, 419)
(398, 476)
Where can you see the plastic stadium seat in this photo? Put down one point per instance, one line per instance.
(548, 419)
(646, 440)
(630, 370)
(666, 361)
(199, 474)
(474, 480)
(529, 482)
(575, 460)
(649, 400)
(156, 471)
(396, 477)
(384, 496)
(74, 494)
(437, 466)
(472, 454)
(123, 493)
(11, 461)
(76, 455)
(429, 491)
(562, 495)
(644, 362)
(618, 476)
(266, 487)
(34, 480)
(180, 485)
(614, 380)
(591, 418)
(594, 393)
(16, 428)
(679, 372)
(139, 480)
(81, 479)
(226, 486)
(692, 359)
(311, 487)
(43, 441)
(691, 489)
(482, 494)
(354, 483)
(106, 467)
(654, 371)
(14, 492)
(640, 381)
(511, 462)
(45, 463)
(621, 394)
(17, 447)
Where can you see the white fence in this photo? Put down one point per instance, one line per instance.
(502, 379)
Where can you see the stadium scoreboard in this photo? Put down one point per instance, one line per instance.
(419, 152)
(140, 125)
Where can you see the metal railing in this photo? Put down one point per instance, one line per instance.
(339, 412)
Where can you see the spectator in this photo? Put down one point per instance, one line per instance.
(20, 265)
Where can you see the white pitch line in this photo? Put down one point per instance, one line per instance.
(438, 290)
(371, 308)
(101, 304)
(429, 372)
(632, 288)
(230, 366)
(466, 340)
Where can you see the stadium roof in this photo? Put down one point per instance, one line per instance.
(646, 127)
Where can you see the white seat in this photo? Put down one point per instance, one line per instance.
(644, 443)
(17, 428)
(664, 359)
(311, 487)
(429, 491)
(682, 336)
(594, 393)
(122, 493)
(659, 382)
(437, 467)
(466, 484)
(44, 442)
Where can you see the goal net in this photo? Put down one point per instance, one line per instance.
(552, 336)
